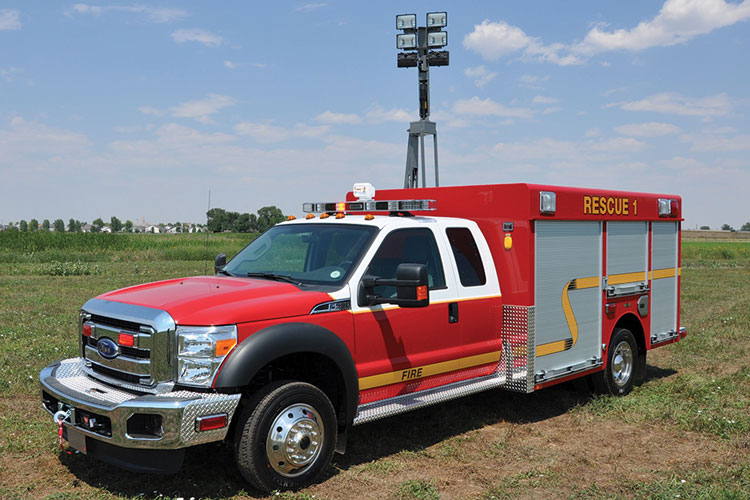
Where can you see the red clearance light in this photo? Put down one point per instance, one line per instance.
(210, 423)
(86, 330)
(126, 340)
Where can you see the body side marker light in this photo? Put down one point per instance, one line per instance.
(210, 423)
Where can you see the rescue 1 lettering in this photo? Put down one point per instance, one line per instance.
(412, 373)
(609, 205)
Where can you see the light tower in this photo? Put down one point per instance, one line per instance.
(417, 46)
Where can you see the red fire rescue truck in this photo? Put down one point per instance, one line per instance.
(367, 307)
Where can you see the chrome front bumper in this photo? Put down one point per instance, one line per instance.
(117, 413)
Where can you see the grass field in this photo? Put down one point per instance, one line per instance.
(683, 433)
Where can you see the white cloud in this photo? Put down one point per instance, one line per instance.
(201, 109)
(480, 75)
(494, 40)
(593, 132)
(10, 19)
(678, 21)
(309, 7)
(554, 109)
(267, 133)
(148, 110)
(676, 104)
(540, 99)
(719, 143)
(153, 14)
(230, 65)
(377, 114)
(488, 107)
(533, 81)
(651, 129)
(8, 74)
(197, 35)
(548, 148)
(338, 118)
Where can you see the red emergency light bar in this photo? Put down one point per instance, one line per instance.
(371, 206)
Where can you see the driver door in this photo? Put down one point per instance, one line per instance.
(398, 349)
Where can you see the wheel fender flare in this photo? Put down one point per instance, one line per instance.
(280, 340)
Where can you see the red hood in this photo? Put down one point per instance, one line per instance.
(209, 300)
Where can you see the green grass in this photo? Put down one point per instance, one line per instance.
(43, 246)
(700, 385)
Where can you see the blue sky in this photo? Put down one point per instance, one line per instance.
(138, 109)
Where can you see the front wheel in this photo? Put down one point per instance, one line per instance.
(622, 358)
(286, 437)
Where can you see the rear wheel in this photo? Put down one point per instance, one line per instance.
(286, 436)
(622, 358)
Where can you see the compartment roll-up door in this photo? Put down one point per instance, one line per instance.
(567, 293)
(663, 278)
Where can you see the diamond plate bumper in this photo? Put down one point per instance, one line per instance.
(65, 384)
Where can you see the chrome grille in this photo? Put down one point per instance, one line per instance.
(146, 364)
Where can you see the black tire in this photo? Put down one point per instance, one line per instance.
(622, 359)
(298, 416)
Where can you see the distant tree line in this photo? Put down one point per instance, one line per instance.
(220, 220)
(115, 225)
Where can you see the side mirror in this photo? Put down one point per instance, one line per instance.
(411, 284)
(220, 262)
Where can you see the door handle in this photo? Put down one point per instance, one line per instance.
(453, 312)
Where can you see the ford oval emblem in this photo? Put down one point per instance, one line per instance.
(107, 348)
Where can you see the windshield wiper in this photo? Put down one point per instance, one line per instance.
(221, 271)
(277, 277)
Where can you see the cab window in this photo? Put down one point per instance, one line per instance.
(466, 253)
(414, 246)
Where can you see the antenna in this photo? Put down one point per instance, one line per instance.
(205, 271)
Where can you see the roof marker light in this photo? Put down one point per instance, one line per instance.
(369, 217)
(547, 202)
(340, 215)
(309, 216)
(324, 216)
(291, 217)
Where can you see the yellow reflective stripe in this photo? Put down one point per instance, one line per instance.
(428, 370)
(388, 307)
(663, 273)
(619, 279)
(550, 348)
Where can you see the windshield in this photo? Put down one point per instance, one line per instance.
(317, 254)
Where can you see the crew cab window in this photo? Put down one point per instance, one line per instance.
(413, 246)
(318, 254)
(466, 253)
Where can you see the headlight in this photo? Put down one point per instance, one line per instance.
(200, 351)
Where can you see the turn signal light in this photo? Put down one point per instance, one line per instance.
(126, 340)
(422, 292)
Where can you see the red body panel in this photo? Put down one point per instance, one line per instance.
(207, 300)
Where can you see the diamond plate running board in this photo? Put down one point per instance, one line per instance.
(407, 402)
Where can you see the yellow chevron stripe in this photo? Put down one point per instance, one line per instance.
(428, 370)
(570, 318)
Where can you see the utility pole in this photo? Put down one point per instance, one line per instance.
(417, 44)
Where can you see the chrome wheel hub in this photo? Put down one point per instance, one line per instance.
(295, 440)
(622, 364)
